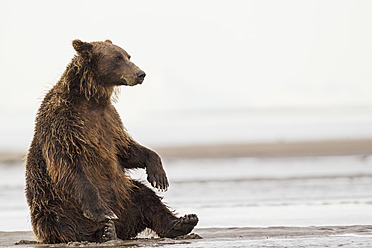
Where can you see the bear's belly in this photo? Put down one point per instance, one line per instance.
(112, 183)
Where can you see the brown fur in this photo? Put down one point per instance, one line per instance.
(75, 177)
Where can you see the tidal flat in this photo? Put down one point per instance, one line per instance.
(290, 201)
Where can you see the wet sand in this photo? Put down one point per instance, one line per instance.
(322, 236)
(279, 149)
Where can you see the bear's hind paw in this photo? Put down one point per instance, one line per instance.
(109, 231)
(183, 226)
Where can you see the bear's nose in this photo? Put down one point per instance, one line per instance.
(140, 76)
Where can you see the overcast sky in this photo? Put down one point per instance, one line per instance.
(196, 54)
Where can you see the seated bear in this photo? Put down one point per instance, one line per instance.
(76, 183)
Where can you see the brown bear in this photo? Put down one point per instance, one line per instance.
(76, 183)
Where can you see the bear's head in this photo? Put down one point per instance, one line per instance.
(97, 68)
(111, 63)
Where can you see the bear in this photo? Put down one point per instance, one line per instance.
(77, 187)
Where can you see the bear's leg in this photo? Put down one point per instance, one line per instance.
(47, 232)
(53, 227)
(147, 211)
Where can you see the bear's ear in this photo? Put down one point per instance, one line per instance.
(108, 41)
(83, 48)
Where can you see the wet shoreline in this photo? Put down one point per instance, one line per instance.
(279, 149)
(340, 147)
(314, 236)
(278, 197)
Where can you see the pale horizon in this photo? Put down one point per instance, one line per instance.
(198, 56)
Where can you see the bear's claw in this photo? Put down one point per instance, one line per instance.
(109, 231)
(158, 181)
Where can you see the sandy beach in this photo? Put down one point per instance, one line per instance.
(279, 149)
(274, 149)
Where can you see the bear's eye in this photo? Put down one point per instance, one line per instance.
(119, 58)
(129, 57)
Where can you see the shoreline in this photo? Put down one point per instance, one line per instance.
(361, 147)
(279, 236)
(339, 147)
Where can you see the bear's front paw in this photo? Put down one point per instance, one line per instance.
(158, 180)
(155, 173)
(98, 214)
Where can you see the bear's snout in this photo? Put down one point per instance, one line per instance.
(140, 76)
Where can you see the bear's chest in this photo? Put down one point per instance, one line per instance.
(104, 129)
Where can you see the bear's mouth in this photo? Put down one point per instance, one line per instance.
(125, 81)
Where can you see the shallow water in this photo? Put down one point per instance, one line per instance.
(242, 192)
(273, 192)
